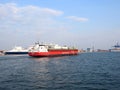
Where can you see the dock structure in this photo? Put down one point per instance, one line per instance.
(1, 52)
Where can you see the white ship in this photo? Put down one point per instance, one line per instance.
(17, 50)
(116, 48)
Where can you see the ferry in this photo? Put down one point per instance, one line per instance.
(116, 48)
(16, 50)
(46, 50)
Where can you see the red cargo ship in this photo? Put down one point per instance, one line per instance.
(40, 50)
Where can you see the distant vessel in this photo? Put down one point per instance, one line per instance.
(116, 48)
(17, 50)
(46, 50)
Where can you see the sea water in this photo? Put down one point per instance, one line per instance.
(86, 71)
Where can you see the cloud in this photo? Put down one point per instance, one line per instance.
(27, 16)
(25, 24)
(51, 11)
(78, 19)
(12, 12)
(28, 23)
(12, 8)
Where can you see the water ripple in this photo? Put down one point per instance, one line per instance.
(87, 71)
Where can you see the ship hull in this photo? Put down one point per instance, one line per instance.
(115, 50)
(10, 53)
(53, 53)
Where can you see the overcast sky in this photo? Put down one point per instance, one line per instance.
(80, 23)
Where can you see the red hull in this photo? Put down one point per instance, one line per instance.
(53, 53)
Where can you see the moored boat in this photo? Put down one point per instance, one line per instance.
(46, 50)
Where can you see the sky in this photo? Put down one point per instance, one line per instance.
(79, 23)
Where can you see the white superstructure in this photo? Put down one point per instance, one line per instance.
(18, 49)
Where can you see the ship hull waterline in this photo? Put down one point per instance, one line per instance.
(15, 53)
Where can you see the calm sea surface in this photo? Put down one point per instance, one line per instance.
(86, 71)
